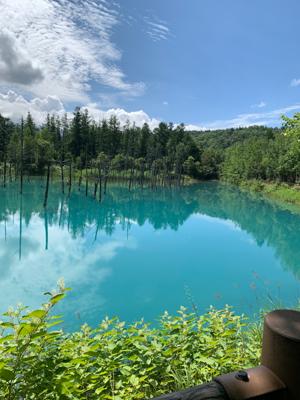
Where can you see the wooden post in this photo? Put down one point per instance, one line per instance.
(281, 348)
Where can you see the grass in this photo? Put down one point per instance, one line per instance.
(287, 196)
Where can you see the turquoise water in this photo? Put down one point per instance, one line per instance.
(142, 252)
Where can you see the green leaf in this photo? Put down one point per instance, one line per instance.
(7, 325)
(36, 314)
(25, 329)
(134, 380)
(55, 299)
(6, 338)
(6, 374)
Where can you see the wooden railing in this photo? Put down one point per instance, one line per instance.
(278, 376)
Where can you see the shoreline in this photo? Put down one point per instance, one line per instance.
(283, 194)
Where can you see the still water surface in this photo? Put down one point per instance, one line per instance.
(140, 253)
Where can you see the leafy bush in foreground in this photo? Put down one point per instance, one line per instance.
(116, 361)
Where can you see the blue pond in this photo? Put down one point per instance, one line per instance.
(140, 253)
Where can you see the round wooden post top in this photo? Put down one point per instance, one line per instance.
(281, 348)
(285, 323)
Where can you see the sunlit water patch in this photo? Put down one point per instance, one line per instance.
(139, 253)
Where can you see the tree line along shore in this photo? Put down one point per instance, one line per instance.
(83, 151)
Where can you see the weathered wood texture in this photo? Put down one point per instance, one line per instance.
(208, 391)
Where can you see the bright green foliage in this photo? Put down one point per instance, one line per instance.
(213, 146)
(116, 361)
(292, 126)
(268, 158)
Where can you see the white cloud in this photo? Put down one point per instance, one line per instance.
(295, 82)
(70, 42)
(165, 103)
(82, 263)
(137, 117)
(191, 127)
(226, 222)
(15, 106)
(157, 29)
(262, 104)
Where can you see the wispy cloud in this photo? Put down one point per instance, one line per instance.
(70, 43)
(270, 118)
(295, 82)
(157, 29)
(262, 104)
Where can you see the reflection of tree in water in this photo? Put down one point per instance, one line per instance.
(162, 208)
(266, 222)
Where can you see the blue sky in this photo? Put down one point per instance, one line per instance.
(207, 63)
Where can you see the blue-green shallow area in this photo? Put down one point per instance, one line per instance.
(140, 253)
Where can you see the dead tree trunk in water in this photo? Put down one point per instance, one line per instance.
(21, 227)
(86, 181)
(70, 178)
(47, 186)
(100, 184)
(130, 178)
(86, 173)
(4, 172)
(10, 174)
(106, 178)
(80, 180)
(22, 155)
(46, 231)
(62, 178)
(95, 189)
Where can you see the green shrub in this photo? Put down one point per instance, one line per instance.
(118, 361)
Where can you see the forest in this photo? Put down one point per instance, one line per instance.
(106, 150)
(97, 150)
(253, 153)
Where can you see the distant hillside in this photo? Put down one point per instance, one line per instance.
(222, 138)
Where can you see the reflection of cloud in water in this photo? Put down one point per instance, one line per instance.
(226, 222)
(82, 262)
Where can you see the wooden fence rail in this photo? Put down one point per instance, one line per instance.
(209, 391)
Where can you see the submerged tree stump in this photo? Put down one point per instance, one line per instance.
(208, 391)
